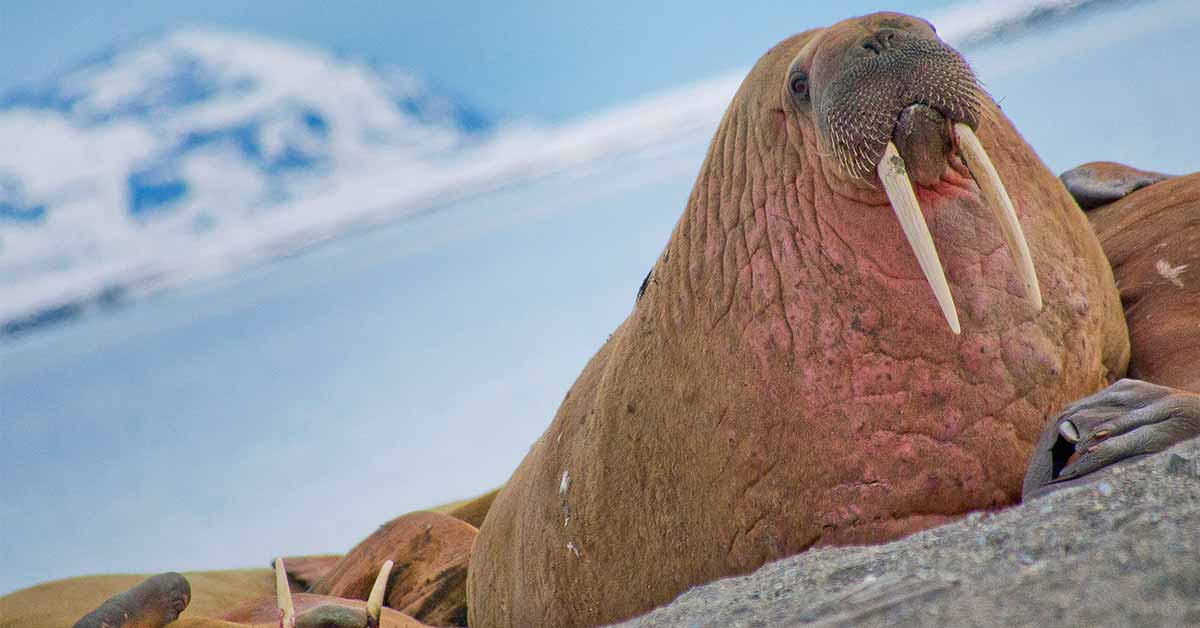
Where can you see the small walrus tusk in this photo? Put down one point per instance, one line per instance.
(1002, 208)
(894, 176)
(375, 599)
(283, 597)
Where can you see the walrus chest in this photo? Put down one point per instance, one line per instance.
(848, 392)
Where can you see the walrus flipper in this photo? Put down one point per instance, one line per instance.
(1099, 183)
(1125, 421)
(154, 603)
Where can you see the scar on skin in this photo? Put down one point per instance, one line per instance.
(1171, 273)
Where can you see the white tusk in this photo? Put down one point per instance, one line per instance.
(894, 176)
(1002, 208)
(283, 597)
(375, 600)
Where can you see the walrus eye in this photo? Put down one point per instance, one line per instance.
(798, 84)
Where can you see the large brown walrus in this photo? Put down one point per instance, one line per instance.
(867, 321)
(809, 363)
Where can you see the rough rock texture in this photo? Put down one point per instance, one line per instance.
(1121, 551)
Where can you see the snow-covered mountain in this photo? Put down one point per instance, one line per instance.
(126, 163)
(200, 152)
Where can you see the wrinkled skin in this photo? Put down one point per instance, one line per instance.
(786, 380)
(1152, 240)
(1122, 423)
(1148, 226)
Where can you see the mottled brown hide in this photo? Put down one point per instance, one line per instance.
(428, 581)
(788, 380)
(1152, 240)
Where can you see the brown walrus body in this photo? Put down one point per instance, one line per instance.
(786, 379)
(1152, 239)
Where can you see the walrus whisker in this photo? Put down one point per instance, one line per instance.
(375, 599)
(997, 198)
(283, 597)
(894, 175)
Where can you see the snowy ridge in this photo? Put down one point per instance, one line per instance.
(202, 152)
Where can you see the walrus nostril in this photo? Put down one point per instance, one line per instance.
(880, 41)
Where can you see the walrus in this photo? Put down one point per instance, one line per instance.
(309, 610)
(159, 601)
(874, 302)
(868, 321)
(431, 551)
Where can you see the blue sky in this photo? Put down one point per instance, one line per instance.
(544, 59)
(296, 407)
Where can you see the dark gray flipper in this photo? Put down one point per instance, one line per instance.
(157, 601)
(1125, 421)
(1101, 182)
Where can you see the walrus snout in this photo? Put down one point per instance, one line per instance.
(889, 96)
(922, 135)
(861, 86)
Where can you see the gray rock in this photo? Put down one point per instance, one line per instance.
(1121, 551)
(1178, 465)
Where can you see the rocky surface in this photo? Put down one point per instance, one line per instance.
(1122, 550)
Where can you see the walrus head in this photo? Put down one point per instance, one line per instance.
(888, 97)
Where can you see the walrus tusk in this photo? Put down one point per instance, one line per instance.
(283, 597)
(894, 176)
(375, 599)
(1002, 208)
